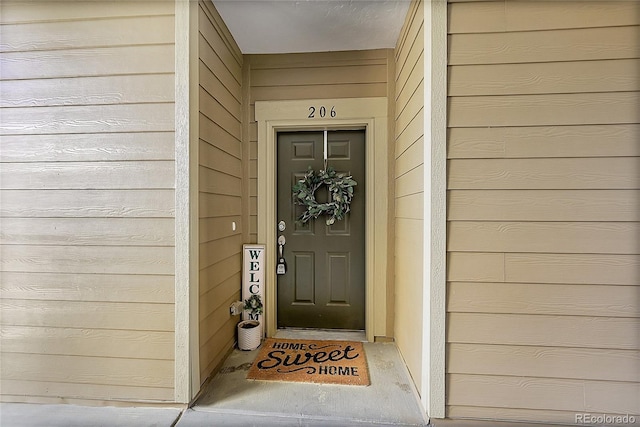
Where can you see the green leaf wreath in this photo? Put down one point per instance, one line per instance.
(340, 190)
(253, 304)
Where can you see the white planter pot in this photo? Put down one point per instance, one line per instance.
(249, 335)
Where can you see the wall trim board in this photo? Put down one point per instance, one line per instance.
(187, 370)
(435, 202)
(371, 113)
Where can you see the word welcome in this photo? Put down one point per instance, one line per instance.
(254, 268)
(253, 276)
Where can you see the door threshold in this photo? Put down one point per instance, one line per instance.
(321, 334)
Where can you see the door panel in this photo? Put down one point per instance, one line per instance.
(324, 285)
(338, 264)
(304, 278)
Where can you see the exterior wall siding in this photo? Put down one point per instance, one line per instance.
(409, 189)
(325, 75)
(543, 235)
(220, 182)
(87, 201)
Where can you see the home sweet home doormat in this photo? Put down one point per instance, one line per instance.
(328, 362)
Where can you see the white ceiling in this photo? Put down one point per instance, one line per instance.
(290, 26)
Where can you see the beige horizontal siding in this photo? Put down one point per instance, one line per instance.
(113, 31)
(542, 298)
(413, 132)
(328, 59)
(88, 314)
(100, 147)
(219, 205)
(305, 76)
(86, 370)
(216, 251)
(545, 205)
(551, 362)
(215, 158)
(87, 259)
(408, 182)
(211, 108)
(545, 141)
(219, 284)
(210, 62)
(543, 208)
(76, 287)
(560, 237)
(89, 342)
(410, 206)
(555, 394)
(152, 59)
(95, 175)
(81, 119)
(88, 90)
(87, 203)
(224, 140)
(618, 75)
(580, 44)
(16, 12)
(620, 173)
(337, 90)
(87, 215)
(514, 16)
(581, 268)
(86, 231)
(535, 330)
(219, 318)
(216, 228)
(223, 338)
(37, 391)
(545, 110)
(220, 183)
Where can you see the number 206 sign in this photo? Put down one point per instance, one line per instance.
(252, 276)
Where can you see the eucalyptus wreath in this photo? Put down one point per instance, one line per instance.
(253, 304)
(340, 190)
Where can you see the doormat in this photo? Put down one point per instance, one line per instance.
(325, 362)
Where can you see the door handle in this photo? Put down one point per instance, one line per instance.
(281, 242)
(281, 268)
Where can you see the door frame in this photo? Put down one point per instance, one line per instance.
(350, 113)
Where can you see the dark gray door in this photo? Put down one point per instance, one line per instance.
(324, 284)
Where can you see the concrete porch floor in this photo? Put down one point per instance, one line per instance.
(232, 400)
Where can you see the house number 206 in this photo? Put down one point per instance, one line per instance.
(321, 112)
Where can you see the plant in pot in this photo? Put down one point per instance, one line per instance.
(250, 331)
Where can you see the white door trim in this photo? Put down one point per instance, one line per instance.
(435, 204)
(370, 113)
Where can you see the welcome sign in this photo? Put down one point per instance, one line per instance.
(329, 362)
(253, 277)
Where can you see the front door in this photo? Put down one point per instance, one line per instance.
(324, 283)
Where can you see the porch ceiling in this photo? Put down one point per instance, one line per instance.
(288, 26)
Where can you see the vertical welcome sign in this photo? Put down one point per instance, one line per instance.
(253, 277)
